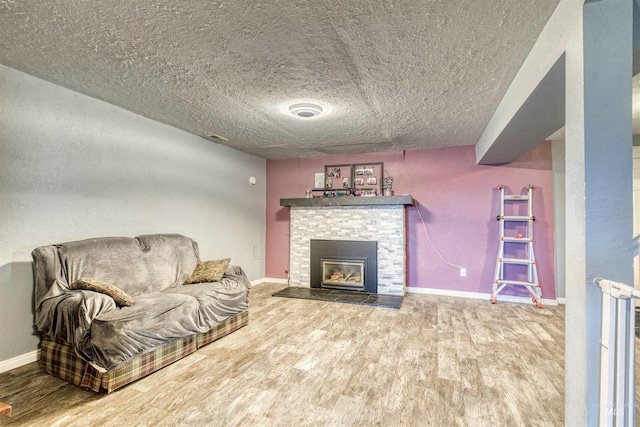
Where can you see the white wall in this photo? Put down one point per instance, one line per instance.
(72, 167)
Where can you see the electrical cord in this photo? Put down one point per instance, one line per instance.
(424, 225)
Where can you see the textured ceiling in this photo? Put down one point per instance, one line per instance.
(393, 74)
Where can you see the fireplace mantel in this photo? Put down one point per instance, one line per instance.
(403, 199)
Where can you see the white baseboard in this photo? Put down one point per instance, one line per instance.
(16, 362)
(477, 295)
(562, 301)
(270, 280)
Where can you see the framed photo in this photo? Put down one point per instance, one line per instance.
(328, 183)
(355, 179)
(364, 171)
(333, 173)
(337, 176)
(318, 180)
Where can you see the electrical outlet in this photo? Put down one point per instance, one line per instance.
(463, 272)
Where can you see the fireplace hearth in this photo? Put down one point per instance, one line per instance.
(344, 264)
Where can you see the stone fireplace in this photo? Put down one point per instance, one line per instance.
(378, 220)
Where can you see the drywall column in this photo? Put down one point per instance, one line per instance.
(598, 189)
(558, 159)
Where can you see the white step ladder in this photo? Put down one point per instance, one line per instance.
(500, 282)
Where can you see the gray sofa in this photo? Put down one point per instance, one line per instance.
(90, 341)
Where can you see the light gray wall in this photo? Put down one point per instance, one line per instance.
(72, 167)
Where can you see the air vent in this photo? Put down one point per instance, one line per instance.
(216, 138)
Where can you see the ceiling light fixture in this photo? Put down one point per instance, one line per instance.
(305, 110)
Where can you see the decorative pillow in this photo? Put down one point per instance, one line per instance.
(119, 296)
(209, 271)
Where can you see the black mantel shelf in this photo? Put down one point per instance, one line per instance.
(403, 199)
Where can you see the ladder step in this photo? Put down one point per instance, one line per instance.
(514, 218)
(508, 197)
(518, 283)
(517, 239)
(516, 261)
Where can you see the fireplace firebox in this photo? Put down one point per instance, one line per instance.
(343, 274)
(344, 264)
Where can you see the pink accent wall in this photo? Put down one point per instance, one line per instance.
(458, 201)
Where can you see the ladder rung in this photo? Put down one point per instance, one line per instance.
(516, 218)
(516, 261)
(518, 283)
(508, 197)
(517, 239)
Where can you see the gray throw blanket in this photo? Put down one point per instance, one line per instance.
(152, 269)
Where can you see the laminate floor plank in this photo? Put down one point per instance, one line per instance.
(436, 361)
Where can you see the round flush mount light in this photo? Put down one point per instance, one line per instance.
(306, 110)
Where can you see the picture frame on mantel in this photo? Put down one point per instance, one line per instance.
(353, 179)
(368, 178)
(318, 181)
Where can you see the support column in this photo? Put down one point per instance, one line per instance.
(559, 216)
(599, 214)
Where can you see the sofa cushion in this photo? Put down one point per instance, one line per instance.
(217, 301)
(209, 271)
(155, 319)
(119, 296)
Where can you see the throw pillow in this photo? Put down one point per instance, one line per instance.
(209, 271)
(119, 296)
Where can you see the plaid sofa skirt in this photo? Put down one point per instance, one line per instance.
(58, 358)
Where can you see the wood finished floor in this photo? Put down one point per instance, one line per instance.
(437, 361)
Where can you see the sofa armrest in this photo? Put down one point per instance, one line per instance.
(234, 270)
(237, 273)
(68, 316)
